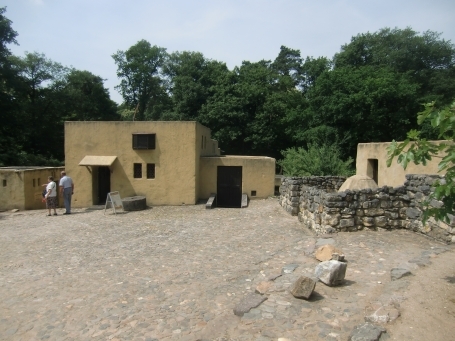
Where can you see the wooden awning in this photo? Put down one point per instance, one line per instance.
(96, 160)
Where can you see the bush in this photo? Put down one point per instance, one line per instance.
(316, 160)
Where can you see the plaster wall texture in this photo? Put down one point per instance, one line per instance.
(175, 157)
(23, 187)
(258, 174)
(395, 174)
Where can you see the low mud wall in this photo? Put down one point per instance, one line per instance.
(320, 207)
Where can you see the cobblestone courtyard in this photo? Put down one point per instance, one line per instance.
(176, 273)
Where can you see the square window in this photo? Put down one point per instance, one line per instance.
(253, 193)
(150, 171)
(143, 141)
(4, 183)
(138, 170)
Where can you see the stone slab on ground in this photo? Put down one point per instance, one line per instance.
(397, 273)
(366, 332)
(249, 302)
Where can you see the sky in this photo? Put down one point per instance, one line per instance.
(85, 33)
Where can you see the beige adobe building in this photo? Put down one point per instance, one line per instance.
(170, 163)
(21, 187)
(371, 161)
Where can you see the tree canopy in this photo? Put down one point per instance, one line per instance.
(368, 92)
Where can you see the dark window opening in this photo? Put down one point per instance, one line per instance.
(138, 170)
(253, 193)
(144, 141)
(150, 171)
(4, 183)
(277, 190)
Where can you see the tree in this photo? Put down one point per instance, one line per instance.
(191, 80)
(39, 84)
(426, 58)
(86, 98)
(141, 86)
(419, 150)
(317, 160)
(10, 126)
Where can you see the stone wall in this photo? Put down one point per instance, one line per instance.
(320, 207)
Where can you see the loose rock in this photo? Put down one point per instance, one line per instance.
(331, 272)
(325, 252)
(303, 287)
(366, 332)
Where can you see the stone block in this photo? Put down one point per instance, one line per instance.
(330, 219)
(368, 221)
(331, 272)
(372, 212)
(346, 222)
(303, 287)
(413, 213)
(380, 221)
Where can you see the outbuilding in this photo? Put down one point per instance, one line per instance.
(170, 163)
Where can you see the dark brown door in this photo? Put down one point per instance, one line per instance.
(229, 186)
(104, 184)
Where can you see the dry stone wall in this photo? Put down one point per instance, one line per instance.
(320, 207)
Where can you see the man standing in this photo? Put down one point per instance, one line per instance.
(67, 190)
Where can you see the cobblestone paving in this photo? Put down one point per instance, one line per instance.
(176, 273)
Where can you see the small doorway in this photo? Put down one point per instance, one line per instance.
(229, 186)
(372, 169)
(104, 184)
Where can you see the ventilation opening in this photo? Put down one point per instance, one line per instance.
(253, 193)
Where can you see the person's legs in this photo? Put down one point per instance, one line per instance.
(67, 199)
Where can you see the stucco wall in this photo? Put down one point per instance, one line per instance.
(174, 157)
(23, 187)
(393, 175)
(258, 174)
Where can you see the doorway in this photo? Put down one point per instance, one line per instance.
(104, 184)
(372, 169)
(229, 186)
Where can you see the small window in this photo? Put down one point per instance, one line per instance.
(143, 141)
(33, 182)
(138, 170)
(253, 193)
(150, 171)
(4, 183)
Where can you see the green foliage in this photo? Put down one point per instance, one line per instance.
(317, 160)
(141, 86)
(419, 151)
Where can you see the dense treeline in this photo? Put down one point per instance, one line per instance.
(37, 96)
(370, 91)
